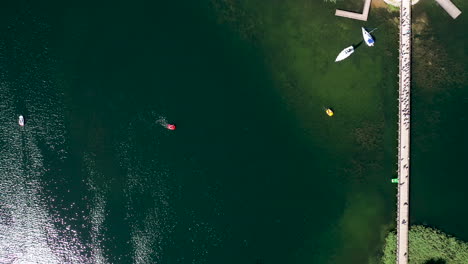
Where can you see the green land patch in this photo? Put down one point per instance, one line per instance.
(427, 246)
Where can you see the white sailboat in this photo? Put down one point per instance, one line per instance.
(367, 38)
(345, 53)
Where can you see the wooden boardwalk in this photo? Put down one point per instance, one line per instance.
(352, 15)
(404, 111)
(451, 9)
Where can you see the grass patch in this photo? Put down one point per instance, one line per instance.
(392, 8)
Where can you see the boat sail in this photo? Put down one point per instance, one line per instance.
(367, 38)
(345, 53)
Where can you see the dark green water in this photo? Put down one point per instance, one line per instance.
(255, 172)
(441, 125)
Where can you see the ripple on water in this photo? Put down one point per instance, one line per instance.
(98, 207)
(29, 231)
(148, 199)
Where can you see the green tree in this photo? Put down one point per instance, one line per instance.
(428, 246)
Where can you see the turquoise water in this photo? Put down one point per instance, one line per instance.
(255, 172)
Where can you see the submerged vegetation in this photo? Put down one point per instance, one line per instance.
(392, 8)
(426, 246)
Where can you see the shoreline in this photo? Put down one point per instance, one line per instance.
(396, 3)
(379, 4)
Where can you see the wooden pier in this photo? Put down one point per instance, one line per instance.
(449, 7)
(404, 112)
(359, 16)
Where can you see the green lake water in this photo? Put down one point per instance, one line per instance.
(256, 172)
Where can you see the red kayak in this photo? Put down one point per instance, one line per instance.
(171, 127)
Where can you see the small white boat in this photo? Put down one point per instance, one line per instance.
(367, 38)
(345, 53)
(21, 120)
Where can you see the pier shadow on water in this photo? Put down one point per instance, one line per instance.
(436, 261)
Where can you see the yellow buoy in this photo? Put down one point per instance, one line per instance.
(329, 112)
